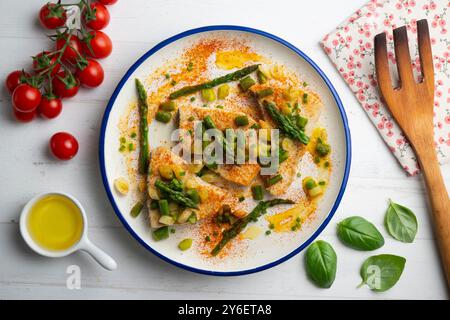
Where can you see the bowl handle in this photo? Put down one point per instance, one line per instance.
(99, 255)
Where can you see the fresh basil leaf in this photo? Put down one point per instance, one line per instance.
(360, 234)
(321, 263)
(382, 272)
(401, 222)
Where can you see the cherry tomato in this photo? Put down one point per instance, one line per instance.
(50, 106)
(70, 53)
(14, 79)
(63, 145)
(52, 16)
(24, 116)
(92, 74)
(65, 85)
(44, 61)
(26, 98)
(107, 2)
(97, 45)
(96, 16)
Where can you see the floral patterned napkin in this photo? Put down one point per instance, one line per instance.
(350, 48)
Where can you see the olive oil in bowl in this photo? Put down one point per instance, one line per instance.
(55, 222)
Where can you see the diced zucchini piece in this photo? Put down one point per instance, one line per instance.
(167, 220)
(154, 218)
(185, 244)
(193, 218)
(153, 193)
(184, 216)
(161, 233)
(223, 91)
(246, 83)
(208, 95)
(257, 192)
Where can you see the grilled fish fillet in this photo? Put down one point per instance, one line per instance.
(215, 197)
(242, 174)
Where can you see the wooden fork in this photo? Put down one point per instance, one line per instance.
(411, 104)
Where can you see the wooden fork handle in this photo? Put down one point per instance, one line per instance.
(440, 204)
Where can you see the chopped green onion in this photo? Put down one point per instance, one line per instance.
(190, 66)
(268, 232)
(192, 218)
(274, 180)
(241, 199)
(257, 192)
(305, 98)
(302, 122)
(246, 83)
(154, 205)
(241, 121)
(208, 238)
(163, 116)
(192, 99)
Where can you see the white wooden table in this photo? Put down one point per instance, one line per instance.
(137, 25)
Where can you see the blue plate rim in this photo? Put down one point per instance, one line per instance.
(184, 34)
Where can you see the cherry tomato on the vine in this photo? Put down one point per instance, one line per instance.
(50, 106)
(91, 74)
(97, 44)
(26, 98)
(74, 45)
(24, 116)
(63, 145)
(108, 2)
(52, 15)
(65, 85)
(96, 16)
(46, 60)
(14, 79)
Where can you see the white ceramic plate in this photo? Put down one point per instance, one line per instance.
(264, 252)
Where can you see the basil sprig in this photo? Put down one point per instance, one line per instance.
(401, 223)
(321, 263)
(360, 234)
(382, 272)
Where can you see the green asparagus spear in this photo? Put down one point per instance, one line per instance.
(285, 123)
(240, 225)
(215, 82)
(174, 195)
(143, 128)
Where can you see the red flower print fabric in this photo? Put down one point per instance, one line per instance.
(350, 48)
